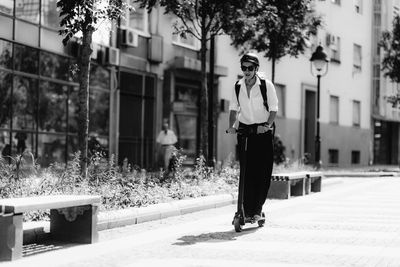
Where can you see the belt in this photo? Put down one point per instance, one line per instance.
(168, 145)
(248, 129)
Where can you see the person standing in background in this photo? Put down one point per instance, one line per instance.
(167, 140)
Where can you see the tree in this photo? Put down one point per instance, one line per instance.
(390, 43)
(82, 17)
(275, 28)
(203, 19)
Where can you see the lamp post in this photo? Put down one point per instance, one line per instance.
(319, 67)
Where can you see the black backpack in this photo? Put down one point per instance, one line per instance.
(263, 89)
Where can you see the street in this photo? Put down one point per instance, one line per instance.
(352, 222)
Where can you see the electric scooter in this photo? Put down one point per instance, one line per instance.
(239, 219)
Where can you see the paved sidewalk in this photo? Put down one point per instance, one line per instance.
(354, 222)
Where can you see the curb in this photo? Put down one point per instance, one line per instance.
(361, 174)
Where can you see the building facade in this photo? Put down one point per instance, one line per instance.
(345, 91)
(142, 73)
(385, 116)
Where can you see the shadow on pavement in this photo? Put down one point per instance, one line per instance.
(38, 248)
(214, 237)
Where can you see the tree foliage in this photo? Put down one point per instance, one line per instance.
(276, 28)
(82, 17)
(203, 19)
(390, 43)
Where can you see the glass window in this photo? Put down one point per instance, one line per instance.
(185, 126)
(357, 57)
(5, 145)
(355, 157)
(7, 7)
(188, 41)
(335, 48)
(5, 54)
(334, 110)
(187, 94)
(280, 93)
(5, 99)
(356, 113)
(333, 156)
(52, 107)
(24, 103)
(99, 77)
(99, 107)
(50, 14)
(54, 66)
(26, 59)
(23, 141)
(51, 148)
(137, 19)
(337, 2)
(132, 83)
(73, 104)
(27, 10)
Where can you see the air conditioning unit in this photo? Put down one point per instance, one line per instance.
(129, 38)
(112, 56)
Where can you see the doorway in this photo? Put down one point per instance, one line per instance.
(309, 126)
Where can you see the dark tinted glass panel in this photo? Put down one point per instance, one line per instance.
(131, 115)
(27, 10)
(149, 117)
(26, 59)
(5, 54)
(99, 107)
(50, 15)
(132, 83)
(5, 99)
(72, 145)
(51, 149)
(185, 127)
(187, 94)
(7, 7)
(73, 104)
(52, 107)
(149, 90)
(99, 77)
(23, 141)
(54, 66)
(24, 103)
(5, 147)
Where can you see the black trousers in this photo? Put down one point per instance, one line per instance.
(256, 161)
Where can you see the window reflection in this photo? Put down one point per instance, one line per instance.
(7, 7)
(99, 102)
(54, 66)
(186, 126)
(27, 10)
(5, 99)
(26, 59)
(51, 148)
(5, 145)
(24, 103)
(5, 54)
(52, 107)
(23, 141)
(99, 77)
(73, 104)
(50, 14)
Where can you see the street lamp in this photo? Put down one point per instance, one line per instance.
(319, 67)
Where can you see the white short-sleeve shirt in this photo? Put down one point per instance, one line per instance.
(251, 109)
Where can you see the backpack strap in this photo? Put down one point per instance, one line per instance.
(237, 90)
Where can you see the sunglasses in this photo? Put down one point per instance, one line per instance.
(249, 68)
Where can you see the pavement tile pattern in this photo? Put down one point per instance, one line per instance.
(352, 223)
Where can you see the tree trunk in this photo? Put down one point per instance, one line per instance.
(83, 107)
(203, 94)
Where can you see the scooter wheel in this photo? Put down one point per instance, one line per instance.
(236, 224)
(262, 221)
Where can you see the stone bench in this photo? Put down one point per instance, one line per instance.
(73, 218)
(285, 185)
(313, 182)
